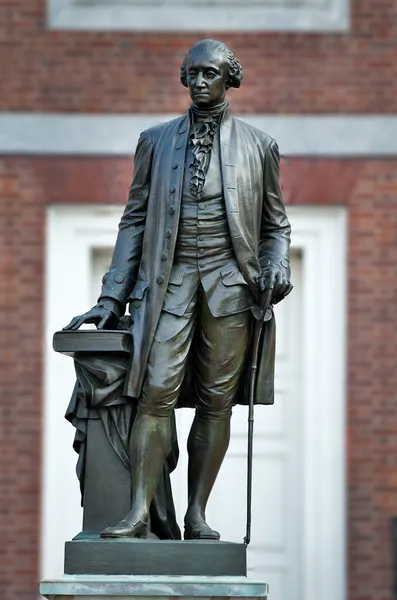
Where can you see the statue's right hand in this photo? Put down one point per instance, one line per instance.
(101, 316)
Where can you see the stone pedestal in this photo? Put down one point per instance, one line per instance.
(96, 556)
(113, 587)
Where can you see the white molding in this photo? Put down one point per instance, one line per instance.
(320, 234)
(110, 135)
(107, 15)
(72, 235)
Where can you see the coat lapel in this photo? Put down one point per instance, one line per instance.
(178, 161)
(231, 146)
(229, 152)
(229, 168)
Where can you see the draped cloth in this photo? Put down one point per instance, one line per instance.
(98, 394)
(201, 139)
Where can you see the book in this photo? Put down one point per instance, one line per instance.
(92, 340)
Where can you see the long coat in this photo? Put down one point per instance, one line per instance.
(144, 251)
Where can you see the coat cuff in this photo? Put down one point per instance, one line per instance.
(113, 305)
(117, 286)
(272, 260)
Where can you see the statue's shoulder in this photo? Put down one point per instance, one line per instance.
(262, 138)
(157, 131)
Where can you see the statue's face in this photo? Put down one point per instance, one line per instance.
(206, 76)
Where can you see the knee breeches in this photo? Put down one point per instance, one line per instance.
(217, 350)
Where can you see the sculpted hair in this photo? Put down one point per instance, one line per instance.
(235, 70)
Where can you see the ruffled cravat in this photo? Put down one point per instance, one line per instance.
(205, 125)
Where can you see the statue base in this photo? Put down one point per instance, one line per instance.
(100, 587)
(95, 556)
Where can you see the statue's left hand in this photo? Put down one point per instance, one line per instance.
(274, 279)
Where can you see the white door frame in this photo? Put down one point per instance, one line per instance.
(319, 233)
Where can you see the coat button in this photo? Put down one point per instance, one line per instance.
(171, 210)
(119, 278)
(173, 189)
(160, 280)
(202, 207)
(201, 238)
(168, 233)
(175, 165)
(201, 250)
(164, 256)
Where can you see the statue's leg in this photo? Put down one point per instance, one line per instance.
(207, 445)
(221, 352)
(150, 441)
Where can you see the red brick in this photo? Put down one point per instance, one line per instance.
(365, 187)
(122, 72)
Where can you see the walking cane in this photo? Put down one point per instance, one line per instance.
(254, 366)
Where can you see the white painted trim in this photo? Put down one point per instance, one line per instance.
(72, 235)
(107, 15)
(109, 135)
(320, 234)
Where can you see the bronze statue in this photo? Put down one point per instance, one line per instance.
(203, 237)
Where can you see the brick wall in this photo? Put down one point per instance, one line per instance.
(26, 187)
(125, 72)
(368, 188)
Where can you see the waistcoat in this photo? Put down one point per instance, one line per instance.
(204, 255)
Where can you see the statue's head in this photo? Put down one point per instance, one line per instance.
(209, 70)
